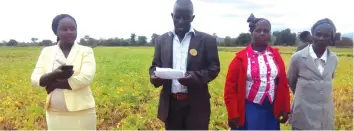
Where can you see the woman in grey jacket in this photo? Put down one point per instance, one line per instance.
(310, 77)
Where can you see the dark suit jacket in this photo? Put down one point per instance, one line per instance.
(204, 67)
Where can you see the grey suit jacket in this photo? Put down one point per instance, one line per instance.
(312, 108)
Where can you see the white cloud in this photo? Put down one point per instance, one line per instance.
(23, 19)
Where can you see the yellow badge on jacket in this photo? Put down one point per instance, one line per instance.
(193, 52)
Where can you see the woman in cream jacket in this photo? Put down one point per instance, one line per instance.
(70, 104)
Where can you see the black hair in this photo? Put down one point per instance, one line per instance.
(184, 3)
(303, 35)
(55, 23)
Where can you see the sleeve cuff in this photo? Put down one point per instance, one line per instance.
(72, 84)
(36, 81)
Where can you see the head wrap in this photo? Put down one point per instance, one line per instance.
(253, 21)
(326, 22)
(55, 22)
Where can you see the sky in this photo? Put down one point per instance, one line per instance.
(24, 19)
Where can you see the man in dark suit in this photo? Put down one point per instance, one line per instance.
(184, 103)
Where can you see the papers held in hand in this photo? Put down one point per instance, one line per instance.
(168, 73)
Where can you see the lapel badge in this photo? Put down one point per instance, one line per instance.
(193, 52)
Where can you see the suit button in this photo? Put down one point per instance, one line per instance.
(321, 81)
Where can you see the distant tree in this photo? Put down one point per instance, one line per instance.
(23, 44)
(88, 41)
(86, 37)
(243, 39)
(83, 42)
(233, 41)
(153, 37)
(127, 41)
(142, 40)
(276, 34)
(291, 39)
(113, 42)
(12, 42)
(92, 42)
(217, 39)
(344, 42)
(108, 42)
(124, 42)
(285, 37)
(337, 36)
(132, 39)
(118, 41)
(278, 37)
(3, 43)
(46, 43)
(228, 41)
(34, 40)
(272, 39)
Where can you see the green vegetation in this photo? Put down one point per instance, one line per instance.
(124, 97)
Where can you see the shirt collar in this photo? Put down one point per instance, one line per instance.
(255, 53)
(314, 56)
(191, 30)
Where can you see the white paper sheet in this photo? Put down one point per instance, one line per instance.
(168, 73)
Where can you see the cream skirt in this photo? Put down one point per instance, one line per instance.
(75, 120)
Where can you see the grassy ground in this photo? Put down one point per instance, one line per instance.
(124, 97)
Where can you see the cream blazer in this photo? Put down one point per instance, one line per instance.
(83, 60)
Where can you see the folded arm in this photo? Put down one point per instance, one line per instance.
(61, 84)
(87, 72)
(47, 79)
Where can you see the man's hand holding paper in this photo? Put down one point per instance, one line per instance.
(187, 80)
(168, 73)
(157, 82)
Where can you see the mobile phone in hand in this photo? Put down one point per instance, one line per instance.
(67, 67)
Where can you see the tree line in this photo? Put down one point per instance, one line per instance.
(278, 38)
(134, 40)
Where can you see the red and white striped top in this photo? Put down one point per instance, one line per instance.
(261, 74)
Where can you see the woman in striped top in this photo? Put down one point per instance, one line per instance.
(256, 91)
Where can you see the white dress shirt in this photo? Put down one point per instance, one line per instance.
(320, 62)
(180, 54)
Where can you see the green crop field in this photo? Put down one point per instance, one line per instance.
(124, 97)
